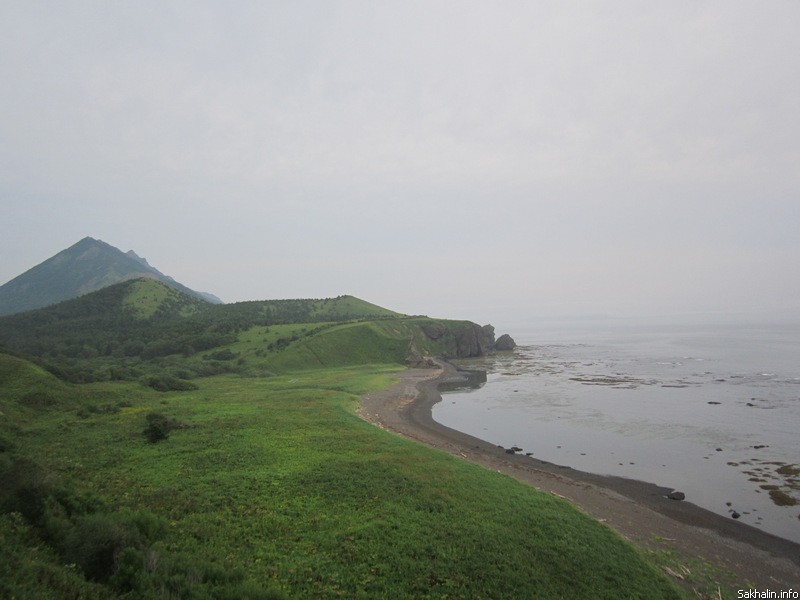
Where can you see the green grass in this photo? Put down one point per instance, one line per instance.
(277, 485)
(354, 343)
(146, 296)
(20, 379)
(700, 577)
(276, 349)
(344, 306)
(27, 390)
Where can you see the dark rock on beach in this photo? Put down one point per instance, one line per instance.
(505, 342)
(676, 495)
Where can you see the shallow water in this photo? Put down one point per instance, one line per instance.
(711, 411)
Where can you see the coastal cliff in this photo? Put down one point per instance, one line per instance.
(465, 339)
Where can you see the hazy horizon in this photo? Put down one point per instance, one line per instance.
(463, 160)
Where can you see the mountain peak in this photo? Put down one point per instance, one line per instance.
(87, 243)
(84, 267)
(136, 257)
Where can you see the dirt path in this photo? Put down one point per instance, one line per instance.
(637, 510)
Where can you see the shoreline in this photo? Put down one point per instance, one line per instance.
(637, 510)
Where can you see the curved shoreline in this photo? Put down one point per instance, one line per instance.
(639, 511)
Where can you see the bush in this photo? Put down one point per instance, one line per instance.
(168, 383)
(221, 355)
(151, 526)
(24, 487)
(159, 427)
(97, 542)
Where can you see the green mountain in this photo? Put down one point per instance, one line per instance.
(87, 266)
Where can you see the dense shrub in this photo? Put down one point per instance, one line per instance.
(169, 383)
(220, 355)
(117, 549)
(24, 487)
(96, 543)
(159, 427)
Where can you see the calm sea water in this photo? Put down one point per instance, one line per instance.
(710, 410)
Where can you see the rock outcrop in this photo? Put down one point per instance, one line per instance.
(505, 342)
(466, 339)
(415, 360)
(488, 334)
(469, 341)
(433, 330)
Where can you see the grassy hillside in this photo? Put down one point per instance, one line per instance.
(270, 350)
(273, 488)
(25, 384)
(346, 307)
(142, 329)
(212, 452)
(145, 298)
(25, 391)
(280, 312)
(351, 344)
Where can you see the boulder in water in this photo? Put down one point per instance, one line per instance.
(505, 342)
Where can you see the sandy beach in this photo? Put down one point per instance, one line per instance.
(639, 511)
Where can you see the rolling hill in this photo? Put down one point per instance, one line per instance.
(143, 328)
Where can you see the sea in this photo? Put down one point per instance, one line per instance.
(711, 409)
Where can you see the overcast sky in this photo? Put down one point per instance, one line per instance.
(480, 160)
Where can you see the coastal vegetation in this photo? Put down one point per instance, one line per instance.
(233, 465)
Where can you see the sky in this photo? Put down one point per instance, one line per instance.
(491, 161)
